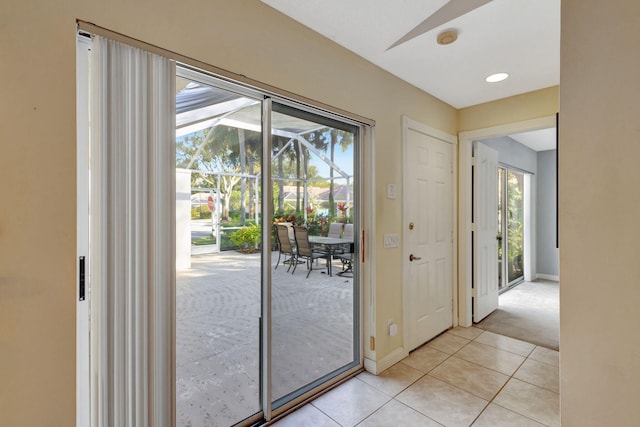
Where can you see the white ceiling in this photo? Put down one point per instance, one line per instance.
(520, 37)
(537, 140)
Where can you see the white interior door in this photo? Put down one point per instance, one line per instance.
(485, 243)
(428, 204)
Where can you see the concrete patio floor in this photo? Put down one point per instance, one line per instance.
(217, 334)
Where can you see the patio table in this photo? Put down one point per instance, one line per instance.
(331, 243)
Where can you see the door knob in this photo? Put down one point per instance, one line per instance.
(413, 258)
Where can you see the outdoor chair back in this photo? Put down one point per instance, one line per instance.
(335, 230)
(304, 249)
(348, 231)
(303, 246)
(284, 243)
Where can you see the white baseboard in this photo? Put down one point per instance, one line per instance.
(391, 359)
(548, 277)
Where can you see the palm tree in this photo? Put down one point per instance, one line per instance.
(344, 139)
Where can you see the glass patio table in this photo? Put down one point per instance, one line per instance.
(331, 243)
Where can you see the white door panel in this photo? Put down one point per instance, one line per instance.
(428, 206)
(485, 208)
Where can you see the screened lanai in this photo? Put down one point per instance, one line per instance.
(219, 140)
(222, 340)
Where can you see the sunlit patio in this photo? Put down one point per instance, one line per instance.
(217, 333)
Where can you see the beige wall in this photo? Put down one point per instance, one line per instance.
(37, 160)
(599, 149)
(598, 178)
(532, 105)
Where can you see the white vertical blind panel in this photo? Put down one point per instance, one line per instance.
(133, 172)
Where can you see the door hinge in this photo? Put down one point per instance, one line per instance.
(474, 227)
(372, 343)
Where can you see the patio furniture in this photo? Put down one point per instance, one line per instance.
(304, 249)
(347, 262)
(335, 230)
(348, 232)
(332, 245)
(346, 256)
(285, 246)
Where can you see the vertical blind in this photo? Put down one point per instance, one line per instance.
(132, 172)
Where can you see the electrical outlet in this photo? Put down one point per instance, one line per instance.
(392, 328)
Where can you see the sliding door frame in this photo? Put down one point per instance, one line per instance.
(295, 110)
(364, 134)
(507, 284)
(82, 285)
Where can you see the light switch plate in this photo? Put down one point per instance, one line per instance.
(391, 191)
(391, 240)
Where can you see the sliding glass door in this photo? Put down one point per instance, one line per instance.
(257, 329)
(511, 226)
(219, 262)
(314, 307)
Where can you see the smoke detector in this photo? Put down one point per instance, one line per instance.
(447, 37)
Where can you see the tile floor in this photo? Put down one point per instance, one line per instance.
(464, 377)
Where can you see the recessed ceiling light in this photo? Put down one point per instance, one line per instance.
(498, 77)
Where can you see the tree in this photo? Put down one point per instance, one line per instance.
(344, 139)
(279, 142)
(289, 165)
(216, 152)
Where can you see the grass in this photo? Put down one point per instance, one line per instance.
(204, 241)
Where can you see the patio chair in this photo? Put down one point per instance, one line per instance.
(347, 234)
(335, 230)
(347, 261)
(348, 231)
(304, 249)
(285, 246)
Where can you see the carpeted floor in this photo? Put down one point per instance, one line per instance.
(529, 312)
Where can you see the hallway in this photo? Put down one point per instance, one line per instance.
(464, 377)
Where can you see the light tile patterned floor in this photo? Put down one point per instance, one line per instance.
(463, 377)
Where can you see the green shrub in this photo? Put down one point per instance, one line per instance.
(200, 212)
(247, 238)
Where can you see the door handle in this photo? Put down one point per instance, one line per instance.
(413, 258)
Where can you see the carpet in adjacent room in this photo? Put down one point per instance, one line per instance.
(529, 312)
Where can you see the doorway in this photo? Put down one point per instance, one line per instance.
(531, 242)
(255, 333)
